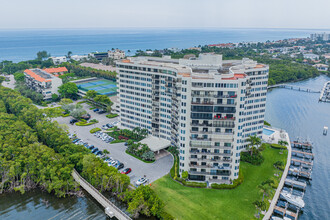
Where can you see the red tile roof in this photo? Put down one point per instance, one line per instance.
(36, 76)
(236, 76)
(56, 70)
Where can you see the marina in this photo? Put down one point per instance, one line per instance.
(290, 203)
(325, 93)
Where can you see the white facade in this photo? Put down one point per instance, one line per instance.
(78, 57)
(320, 36)
(321, 67)
(311, 56)
(58, 60)
(42, 82)
(207, 109)
(116, 54)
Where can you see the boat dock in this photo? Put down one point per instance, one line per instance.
(289, 203)
(285, 212)
(294, 87)
(325, 93)
(295, 184)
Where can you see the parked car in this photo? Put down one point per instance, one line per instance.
(86, 116)
(141, 181)
(109, 125)
(119, 165)
(96, 110)
(126, 171)
(105, 127)
(75, 140)
(94, 150)
(72, 121)
(101, 112)
(91, 147)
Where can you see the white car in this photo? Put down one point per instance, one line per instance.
(141, 181)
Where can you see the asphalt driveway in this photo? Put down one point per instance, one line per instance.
(152, 171)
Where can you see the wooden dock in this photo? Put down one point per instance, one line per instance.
(302, 152)
(293, 183)
(286, 212)
(302, 161)
(110, 209)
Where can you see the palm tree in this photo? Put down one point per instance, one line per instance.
(69, 54)
(253, 141)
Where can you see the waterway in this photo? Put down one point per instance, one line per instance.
(299, 113)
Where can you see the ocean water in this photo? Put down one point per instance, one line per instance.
(18, 45)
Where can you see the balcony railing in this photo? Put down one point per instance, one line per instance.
(209, 173)
(211, 153)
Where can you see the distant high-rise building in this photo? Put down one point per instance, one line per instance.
(205, 106)
(320, 36)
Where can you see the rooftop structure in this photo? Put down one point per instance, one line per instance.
(58, 60)
(207, 107)
(56, 71)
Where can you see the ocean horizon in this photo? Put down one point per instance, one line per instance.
(23, 44)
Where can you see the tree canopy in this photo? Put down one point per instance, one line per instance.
(68, 90)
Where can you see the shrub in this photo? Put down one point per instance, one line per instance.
(277, 146)
(150, 156)
(65, 115)
(255, 159)
(236, 183)
(194, 184)
(111, 115)
(279, 165)
(94, 121)
(120, 137)
(95, 130)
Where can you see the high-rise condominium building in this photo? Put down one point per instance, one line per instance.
(207, 107)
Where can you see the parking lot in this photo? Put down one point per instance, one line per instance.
(152, 171)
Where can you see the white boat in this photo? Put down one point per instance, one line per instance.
(294, 200)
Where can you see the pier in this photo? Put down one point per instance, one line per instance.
(294, 87)
(297, 171)
(110, 209)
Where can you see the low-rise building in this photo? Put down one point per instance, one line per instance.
(116, 54)
(58, 60)
(56, 71)
(78, 57)
(42, 82)
(321, 67)
(99, 56)
(311, 56)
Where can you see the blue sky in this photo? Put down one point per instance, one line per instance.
(165, 13)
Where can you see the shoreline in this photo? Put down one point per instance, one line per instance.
(270, 210)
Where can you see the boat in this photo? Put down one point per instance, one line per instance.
(325, 130)
(294, 200)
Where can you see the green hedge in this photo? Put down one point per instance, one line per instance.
(111, 115)
(82, 123)
(277, 146)
(194, 184)
(236, 183)
(146, 161)
(94, 130)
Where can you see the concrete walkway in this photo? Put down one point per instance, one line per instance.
(110, 209)
(277, 136)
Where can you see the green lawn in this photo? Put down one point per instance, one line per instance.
(194, 203)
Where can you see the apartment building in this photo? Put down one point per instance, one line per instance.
(207, 107)
(42, 82)
(116, 54)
